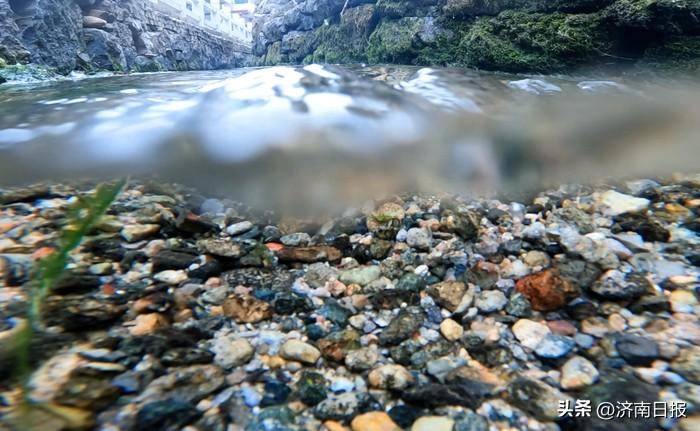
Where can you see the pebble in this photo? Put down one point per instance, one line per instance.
(361, 276)
(239, 228)
(530, 333)
(448, 294)
(138, 232)
(390, 377)
(361, 359)
(554, 346)
(145, 324)
(231, 353)
(418, 238)
(373, 421)
(683, 301)
(451, 330)
(433, 423)
(637, 350)
(578, 372)
(546, 290)
(296, 239)
(171, 276)
(615, 203)
(491, 301)
(296, 350)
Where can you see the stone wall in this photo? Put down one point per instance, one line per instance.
(508, 35)
(125, 35)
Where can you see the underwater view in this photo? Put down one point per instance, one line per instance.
(358, 215)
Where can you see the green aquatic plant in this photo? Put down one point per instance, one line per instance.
(81, 218)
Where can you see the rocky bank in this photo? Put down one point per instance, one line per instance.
(506, 35)
(98, 35)
(417, 312)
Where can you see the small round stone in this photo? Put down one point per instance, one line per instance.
(433, 423)
(577, 373)
(295, 350)
(683, 301)
(554, 346)
(529, 332)
(418, 238)
(390, 377)
(451, 330)
(373, 421)
(491, 301)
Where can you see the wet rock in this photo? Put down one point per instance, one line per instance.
(385, 222)
(276, 392)
(463, 222)
(138, 232)
(373, 421)
(577, 272)
(362, 359)
(687, 364)
(80, 313)
(231, 352)
(615, 285)
(616, 387)
(402, 326)
(404, 415)
(462, 392)
(451, 330)
(554, 346)
(337, 344)
(87, 391)
(312, 254)
(335, 313)
(448, 294)
(614, 203)
(165, 415)
(339, 407)
(146, 324)
(536, 397)
(393, 377)
(530, 333)
(188, 384)
(490, 301)
(418, 238)
(295, 239)
(470, 421)
(637, 350)
(546, 290)
(578, 372)
(410, 282)
(433, 423)
(648, 228)
(221, 248)
(362, 276)
(296, 350)
(683, 301)
(519, 306)
(239, 228)
(169, 259)
(311, 388)
(170, 276)
(246, 309)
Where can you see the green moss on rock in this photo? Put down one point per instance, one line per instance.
(274, 55)
(516, 41)
(681, 53)
(346, 42)
(396, 41)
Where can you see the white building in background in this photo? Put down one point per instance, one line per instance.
(230, 18)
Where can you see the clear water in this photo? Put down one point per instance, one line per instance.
(323, 137)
